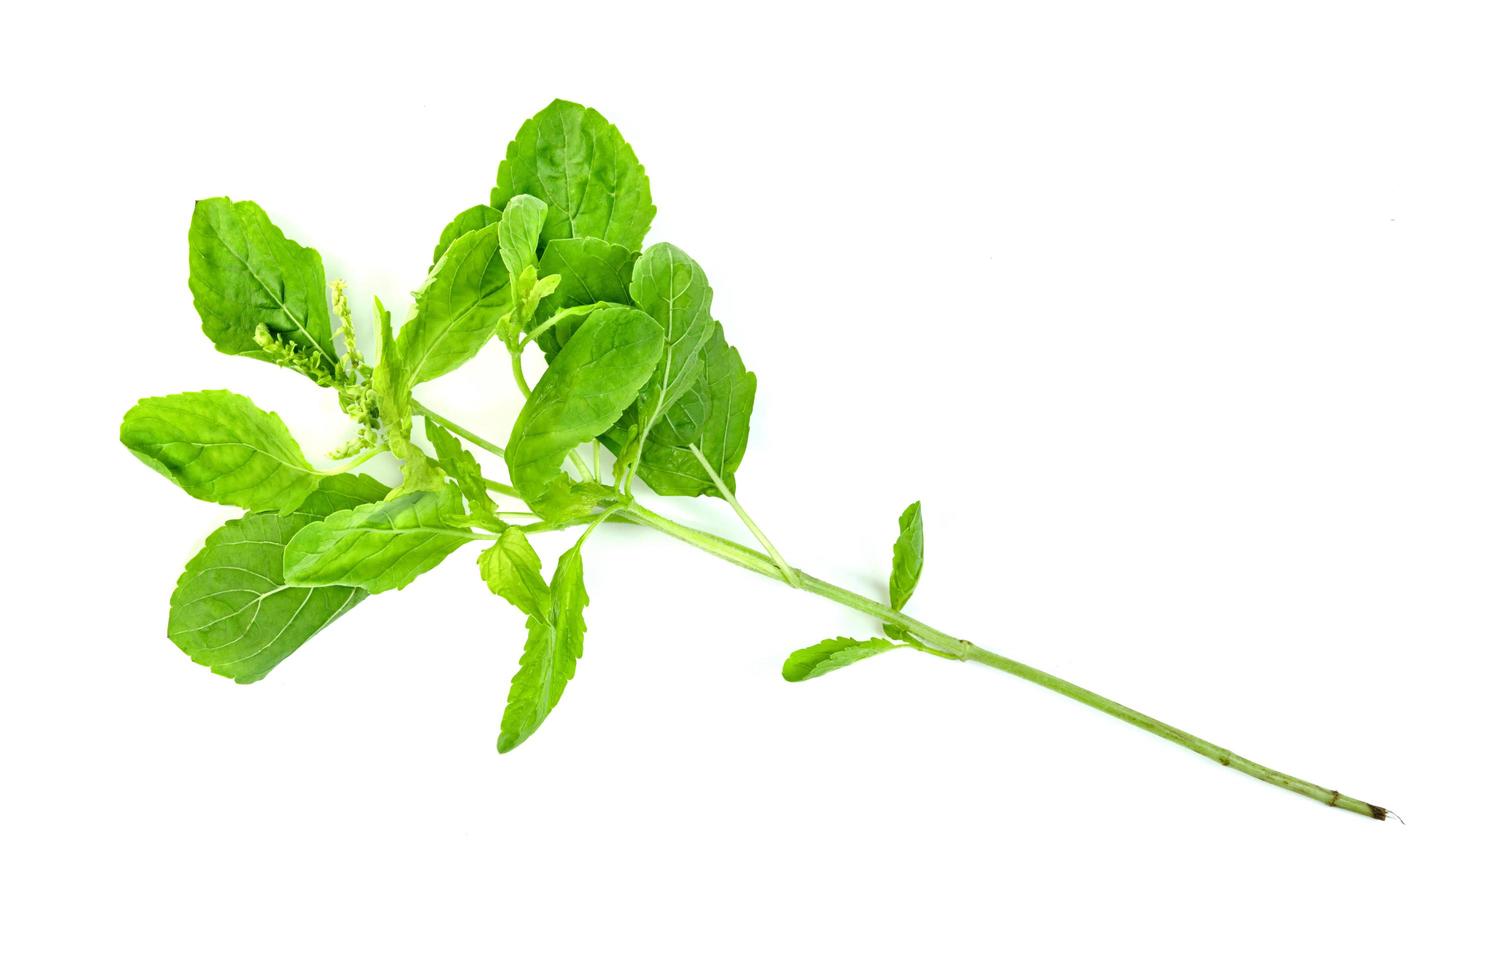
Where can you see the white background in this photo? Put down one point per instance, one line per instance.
(1172, 315)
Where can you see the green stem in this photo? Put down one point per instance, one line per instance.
(504, 489)
(356, 461)
(959, 649)
(791, 576)
(604, 516)
(945, 645)
(519, 375)
(559, 317)
(580, 465)
(459, 430)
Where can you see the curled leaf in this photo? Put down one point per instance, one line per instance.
(583, 392)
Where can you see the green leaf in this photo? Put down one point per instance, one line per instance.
(829, 655)
(219, 446)
(908, 556)
(673, 289)
(572, 158)
(379, 546)
(592, 271)
(460, 463)
(471, 219)
(583, 392)
(231, 609)
(908, 563)
(245, 272)
(567, 502)
(551, 655)
(521, 227)
(520, 231)
(458, 307)
(513, 571)
(713, 415)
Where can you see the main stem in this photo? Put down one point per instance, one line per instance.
(773, 566)
(959, 649)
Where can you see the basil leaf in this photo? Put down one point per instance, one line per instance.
(245, 272)
(908, 556)
(471, 219)
(465, 296)
(572, 158)
(520, 230)
(583, 392)
(714, 416)
(219, 446)
(379, 546)
(669, 285)
(592, 271)
(829, 655)
(908, 563)
(231, 609)
(513, 571)
(551, 655)
(460, 463)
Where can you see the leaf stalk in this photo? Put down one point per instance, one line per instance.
(791, 576)
(421, 409)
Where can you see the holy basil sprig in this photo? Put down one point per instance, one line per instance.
(636, 363)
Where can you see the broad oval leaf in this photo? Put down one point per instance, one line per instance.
(219, 446)
(829, 655)
(458, 307)
(379, 546)
(231, 609)
(592, 271)
(245, 272)
(513, 571)
(575, 160)
(669, 285)
(468, 220)
(714, 416)
(550, 657)
(583, 392)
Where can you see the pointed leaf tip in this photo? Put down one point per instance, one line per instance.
(829, 655)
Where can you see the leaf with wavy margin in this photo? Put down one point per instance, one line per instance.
(219, 446)
(379, 546)
(550, 657)
(829, 655)
(244, 272)
(232, 610)
(575, 160)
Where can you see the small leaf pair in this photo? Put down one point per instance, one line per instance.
(555, 628)
(908, 564)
